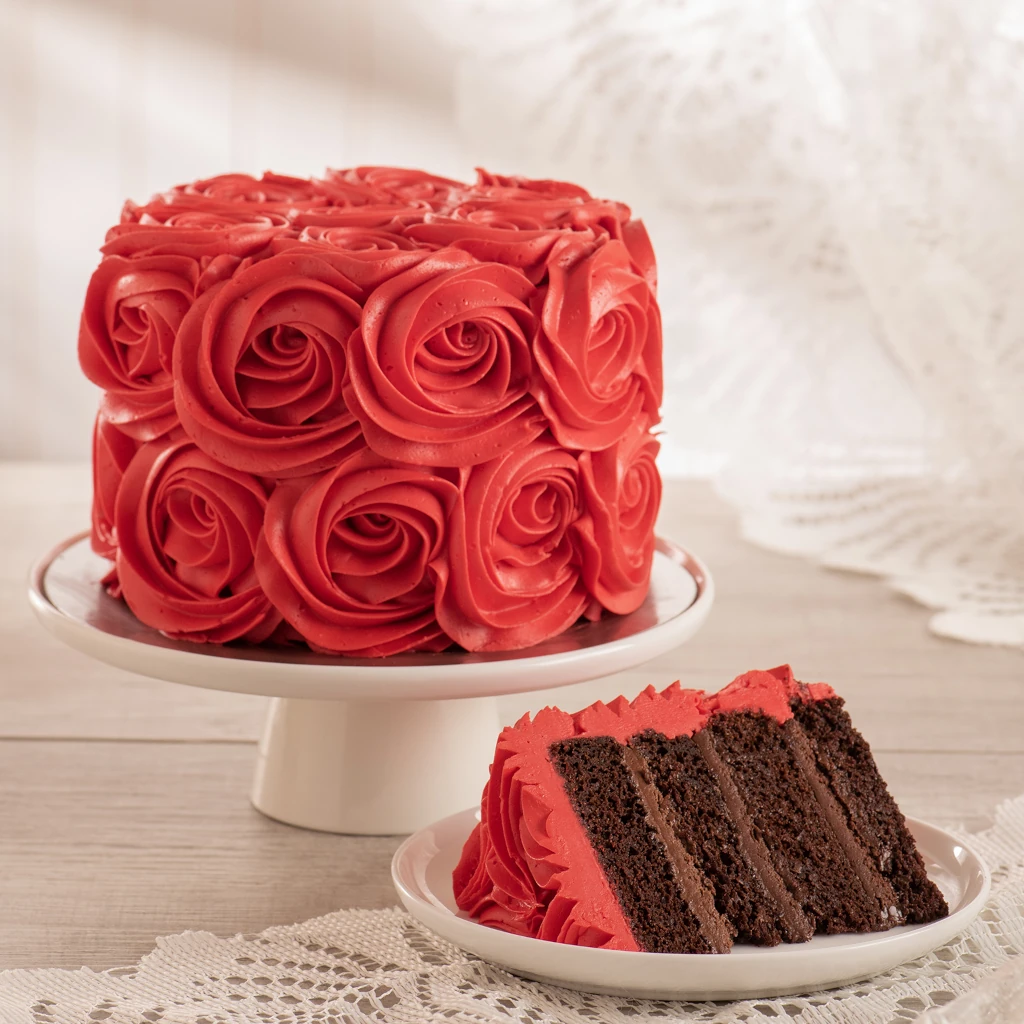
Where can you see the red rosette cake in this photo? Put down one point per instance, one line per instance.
(375, 412)
(681, 822)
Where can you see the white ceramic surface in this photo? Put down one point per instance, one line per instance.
(364, 746)
(422, 869)
(68, 599)
(373, 767)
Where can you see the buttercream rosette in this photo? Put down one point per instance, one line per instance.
(259, 366)
(366, 256)
(133, 309)
(181, 229)
(513, 566)
(385, 213)
(112, 451)
(622, 495)
(440, 369)
(426, 404)
(599, 352)
(402, 183)
(187, 529)
(350, 558)
(281, 192)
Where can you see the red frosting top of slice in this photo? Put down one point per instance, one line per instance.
(528, 866)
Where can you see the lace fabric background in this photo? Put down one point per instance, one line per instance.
(835, 196)
(361, 966)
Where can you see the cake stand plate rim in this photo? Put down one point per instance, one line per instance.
(458, 675)
(745, 973)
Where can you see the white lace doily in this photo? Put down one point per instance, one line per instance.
(379, 965)
(834, 193)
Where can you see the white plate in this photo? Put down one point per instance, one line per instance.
(68, 598)
(422, 873)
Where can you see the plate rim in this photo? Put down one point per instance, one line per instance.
(620, 960)
(439, 677)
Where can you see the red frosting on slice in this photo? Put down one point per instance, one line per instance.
(528, 866)
(674, 712)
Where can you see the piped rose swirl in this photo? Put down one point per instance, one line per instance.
(622, 491)
(599, 352)
(440, 370)
(260, 363)
(133, 309)
(350, 557)
(513, 568)
(181, 229)
(187, 528)
(112, 452)
(366, 256)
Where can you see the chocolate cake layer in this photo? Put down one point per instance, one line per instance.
(845, 760)
(711, 822)
(669, 907)
(749, 828)
(781, 799)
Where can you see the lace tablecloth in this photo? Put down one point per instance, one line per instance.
(366, 965)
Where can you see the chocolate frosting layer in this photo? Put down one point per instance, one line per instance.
(795, 925)
(715, 929)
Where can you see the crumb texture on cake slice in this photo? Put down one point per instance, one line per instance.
(845, 759)
(710, 820)
(788, 818)
(669, 908)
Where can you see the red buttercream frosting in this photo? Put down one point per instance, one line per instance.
(260, 362)
(383, 213)
(599, 353)
(404, 184)
(622, 489)
(133, 309)
(182, 229)
(187, 528)
(269, 191)
(350, 557)
(112, 451)
(441, 367)
(528, 867)
(366, 256)
(513, 564)
(495, 344)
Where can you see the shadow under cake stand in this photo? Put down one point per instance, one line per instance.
(369, 746)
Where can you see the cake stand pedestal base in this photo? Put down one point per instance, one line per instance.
(372, 767)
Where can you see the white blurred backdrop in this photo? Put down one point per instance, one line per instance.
(102, 100)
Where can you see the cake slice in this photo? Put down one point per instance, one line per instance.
(683, 822)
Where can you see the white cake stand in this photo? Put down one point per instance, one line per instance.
(366, 746)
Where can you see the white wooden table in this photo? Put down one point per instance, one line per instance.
(123, 811)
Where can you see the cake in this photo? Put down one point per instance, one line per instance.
(683, 822)
(375, 412)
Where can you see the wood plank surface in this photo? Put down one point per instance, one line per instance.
(107, 845)
(123, 810)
